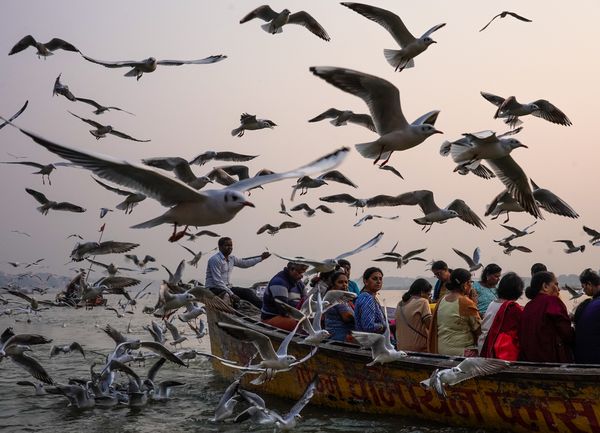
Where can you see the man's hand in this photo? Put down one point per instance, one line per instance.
(265, 255)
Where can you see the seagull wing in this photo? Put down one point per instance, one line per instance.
(301, 206)
(553, 203)
(475, 367)
(126, 136)
(303, 401)
(14, 116)
(27, 41)
(162, 351)
(232, 156)
(89, 121)
(519, 17)
(265, 228)
(431, 30)
(90, 102)
(567, 242)
(326, 162)
(363, 120)
(260, 341)
(388, 20)
(512, 229)
(306, 20)
(112, 188)
(41, 198)
(466, 214)
(113, 247)
(119, 64)
(370, 243)
(413, 253)
(204, 61)
(336, 176)
(69, 207)
(551, 113)
(381, 96)
(490, 22)
(308, 262)
(289, 225)
(392, 169)
(515, 180)
(283, 347)
(339, 198)
(29, 163)
(324, 209)
(167, 191)
(591, 232)
(264, 12)
(465, 257)
(56, 43)
(329, 114)
(368, 340)
(494, 99)
(33, 367)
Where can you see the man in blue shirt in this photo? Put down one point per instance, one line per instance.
(587, 325)
(286, 286)
(219, 268)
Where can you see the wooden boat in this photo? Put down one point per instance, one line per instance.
(526, 397)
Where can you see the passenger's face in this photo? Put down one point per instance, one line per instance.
(588, 289)
(297, 273)
(375, 282)
(227, 248)
(492, 279)
(551, 288)
(346, 269)
(442, 274)
(341, 283)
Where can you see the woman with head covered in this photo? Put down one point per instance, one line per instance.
(413, 317)
(368, 313)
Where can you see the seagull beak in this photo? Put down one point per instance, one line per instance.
(248, 203)
(437, 131)
(525, 146)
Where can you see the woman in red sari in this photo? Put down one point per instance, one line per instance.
(499, 331)
(545, 332)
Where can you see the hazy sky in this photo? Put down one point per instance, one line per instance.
(189, 109)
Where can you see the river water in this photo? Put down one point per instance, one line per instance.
(190, 408)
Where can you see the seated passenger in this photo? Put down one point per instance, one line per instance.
(587, 325)
(456, 323)
(500, 327)
(347, 266)
(486, 287)
(368, 313)
(286, 286)
(339, 320)
(413, 317)
(545, 332)
(440, 270)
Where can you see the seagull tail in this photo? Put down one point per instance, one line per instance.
(122, 205)
(237, 131)
(371, 150)
(269, 29)
(151, 223)
(394, 58)
(336, 122)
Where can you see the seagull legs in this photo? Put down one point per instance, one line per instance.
(379, 156)
(177, 235)
(386, 161)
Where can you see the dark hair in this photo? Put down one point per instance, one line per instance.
(490, 269)
(589, 276)
(222, 241)
(458, 277)
(370, 271)
(439, 265)
(537, 281)
(538, 267)
(510, 287)
(326, 276)
(344, 262)
(333, 278)
(418, 286)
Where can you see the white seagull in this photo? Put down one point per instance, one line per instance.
(188, 206)
(383, 100)
(276, 20)
(410, 46)
(43, 50)
(473, 262)
(150, 64)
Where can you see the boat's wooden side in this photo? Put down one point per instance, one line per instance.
(524, 398)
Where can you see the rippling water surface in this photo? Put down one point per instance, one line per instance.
(189, 410)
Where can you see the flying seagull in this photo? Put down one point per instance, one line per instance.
(383, 100)
(150, 64)
(273, 230)
(469, 368)
(276, 20)
(249, 122)
(181, 168)
(503, 14)
(410, 46)
(61, 89)
(571, 248)
(43, 50)
(44, 169)
(210, 155)
(308, 211)
(340, 118)
(132, 199)
(101, 130)
(593, 233)
(88, 249)
(99, 109)
(510, 110)
(47, 205)
(187, 206)
(13, 117)
(473, 262)
(369, 217)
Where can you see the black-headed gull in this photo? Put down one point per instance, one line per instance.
(276, 20)
(43, 50)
